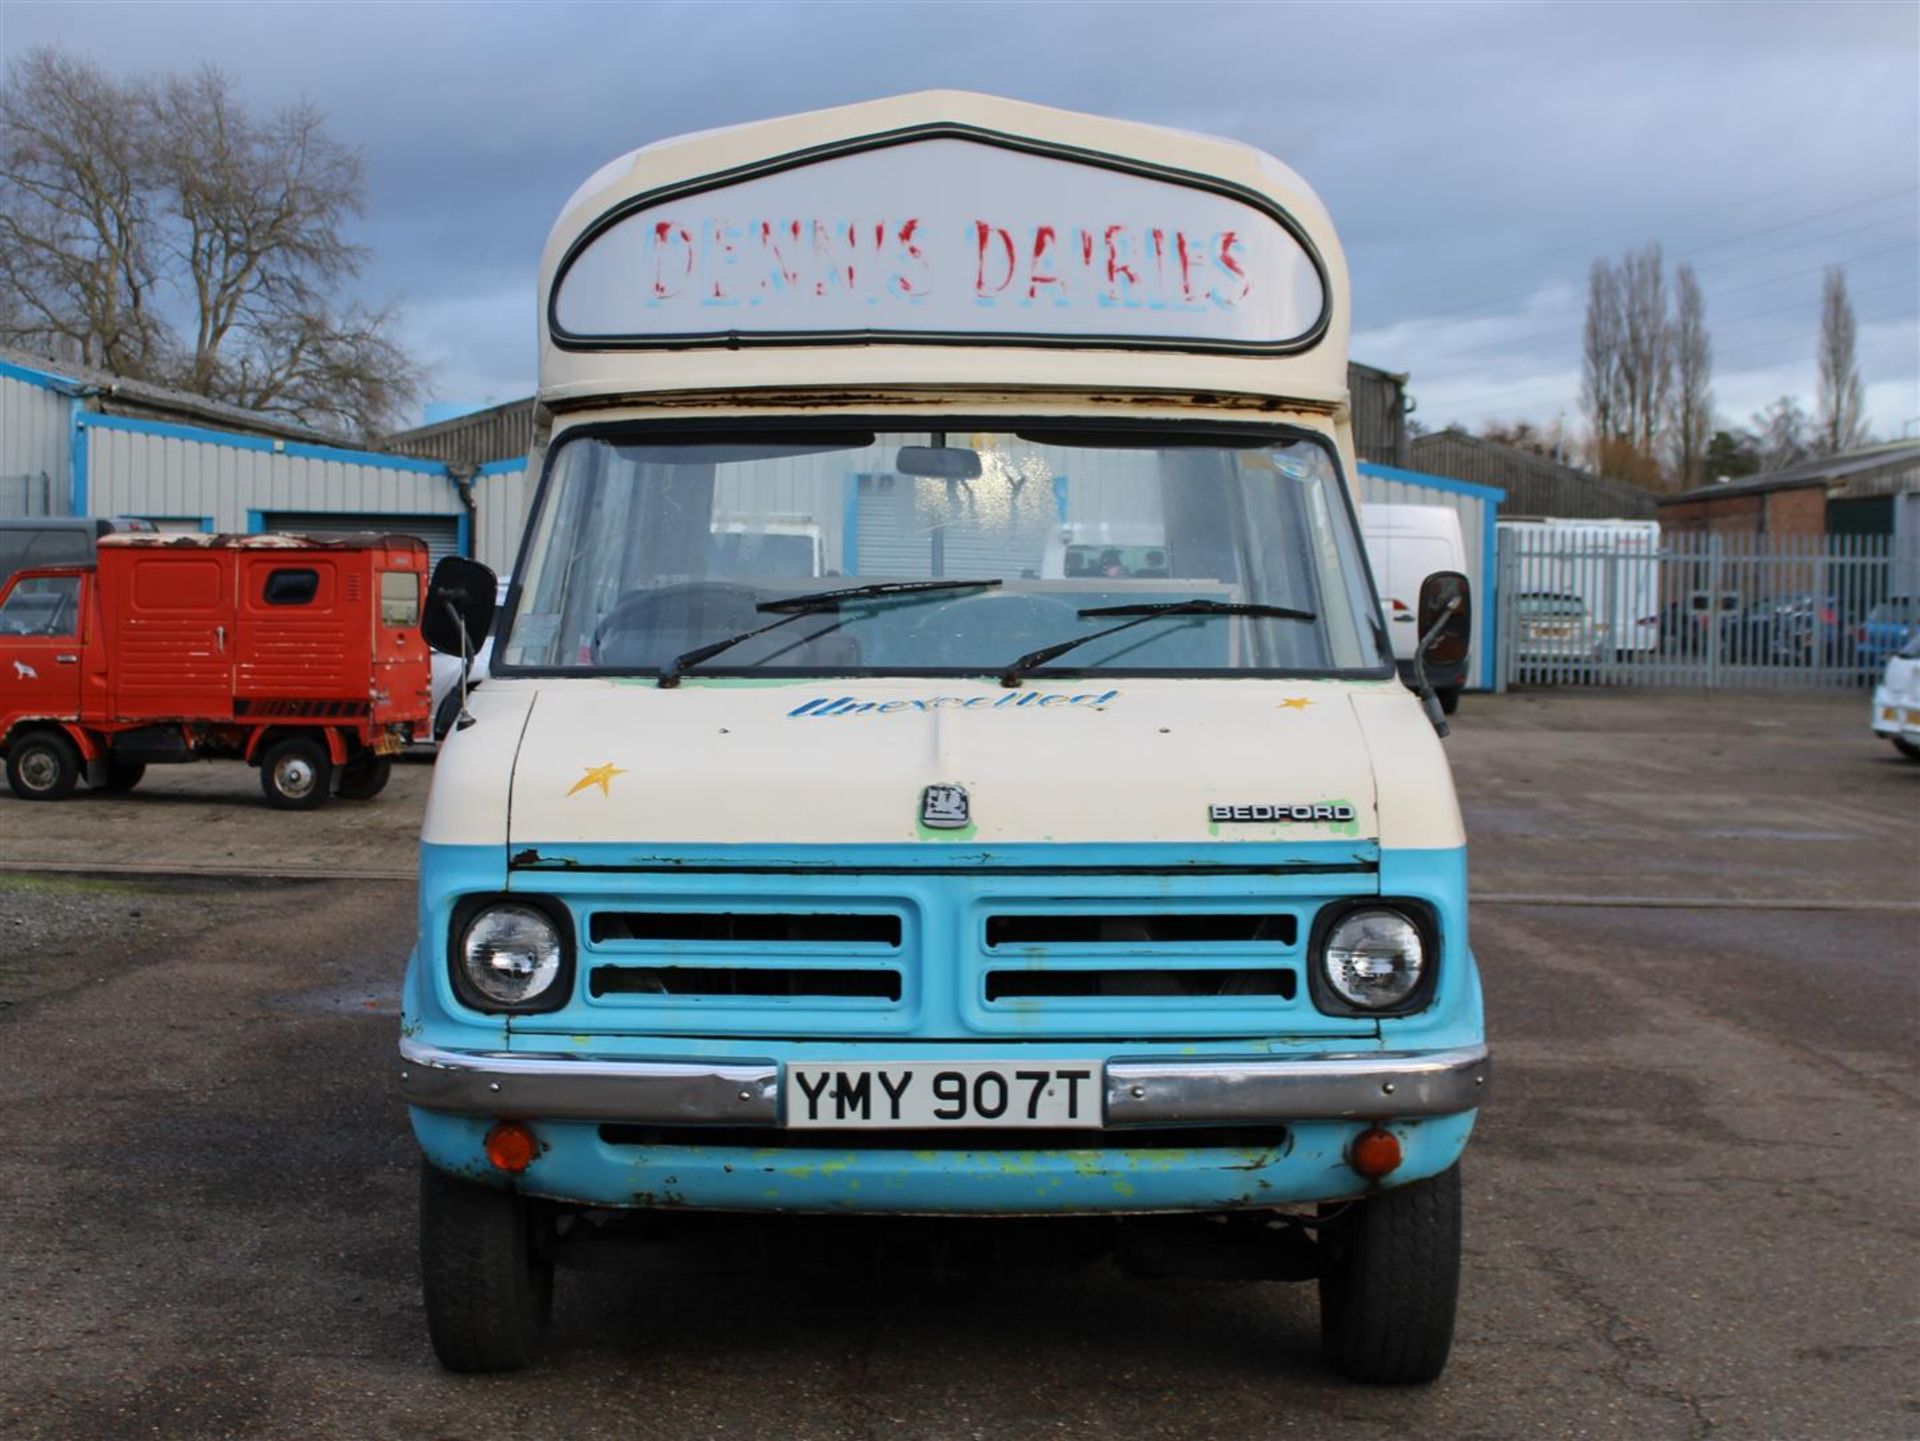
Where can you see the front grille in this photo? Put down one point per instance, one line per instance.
(1146, 981)
(994, 956)
(741, 981)
(770, 928)
(1199, 928)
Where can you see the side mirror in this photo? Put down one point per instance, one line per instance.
(1446, 617)
(459, 611)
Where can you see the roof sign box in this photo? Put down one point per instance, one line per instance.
(944, 237)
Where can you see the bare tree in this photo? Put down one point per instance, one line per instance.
(1781, 435)
(76, 216)
(1600, 353)
(1692, 427)
(1627, 364)
(126, 206)
(1842, 414)
(1549, 441)
(1646, 347)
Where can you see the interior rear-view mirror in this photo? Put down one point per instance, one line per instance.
(940, 462)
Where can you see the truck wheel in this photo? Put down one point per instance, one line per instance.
(1391, 1281)
(1449, 699)
(1906, 748)
(43, 766)
(295, 774)
(447, 714)
(488, 1294)
(123, 775)
(365, 777)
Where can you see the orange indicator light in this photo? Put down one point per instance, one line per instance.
(511, 1147)
(1375, 1153)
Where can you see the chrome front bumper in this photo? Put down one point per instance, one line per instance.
(1210, 1091)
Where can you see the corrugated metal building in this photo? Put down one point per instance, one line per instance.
(500, 432)
(1536, 488)
(73, 445)
(1477, 506)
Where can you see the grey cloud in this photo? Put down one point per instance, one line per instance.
(1469, 153)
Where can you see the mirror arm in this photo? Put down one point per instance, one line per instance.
(465, 718)
(1428, 700)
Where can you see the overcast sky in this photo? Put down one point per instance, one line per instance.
(1476, 157)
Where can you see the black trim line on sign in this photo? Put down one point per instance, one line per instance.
(1264, 204)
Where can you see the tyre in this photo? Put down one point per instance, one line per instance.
(1449, 699)
(123, 775)
(365, 777)
(1906, 748)
(446, 713)
(43, 766)
(488, 1292)
(1390, 1283)
(295, 774)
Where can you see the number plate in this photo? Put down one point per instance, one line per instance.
(929, 1095)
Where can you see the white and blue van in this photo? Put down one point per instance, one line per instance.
(1055, 842)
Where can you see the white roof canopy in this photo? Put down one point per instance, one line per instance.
(943, 239)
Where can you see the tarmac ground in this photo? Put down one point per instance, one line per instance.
(1690, 1200)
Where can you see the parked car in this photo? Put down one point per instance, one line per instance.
(1794, 630)
(1686, 625)
(446, 676)
(1896, 704)
(1885, 631)
(1556, 628)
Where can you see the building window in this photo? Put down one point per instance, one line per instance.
(292, 587)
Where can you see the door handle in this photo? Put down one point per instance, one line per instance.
(220, 637)
(67, 659)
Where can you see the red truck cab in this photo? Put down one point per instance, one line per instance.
(299, 655)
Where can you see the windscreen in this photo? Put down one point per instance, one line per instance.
(645, 547)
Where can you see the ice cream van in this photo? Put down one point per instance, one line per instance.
(1058, 845)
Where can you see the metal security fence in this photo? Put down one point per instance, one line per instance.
(1593, 603)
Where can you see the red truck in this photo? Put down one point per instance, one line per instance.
(299, 655)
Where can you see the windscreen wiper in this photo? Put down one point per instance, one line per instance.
(797, 606)
(830, 599)
(1141, 614)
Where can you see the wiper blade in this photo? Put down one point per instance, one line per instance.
(798, 606)
(1142, 613)
(879, 590)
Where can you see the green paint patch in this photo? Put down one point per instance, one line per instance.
(930, 833)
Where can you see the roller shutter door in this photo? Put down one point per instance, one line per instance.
(440, 532)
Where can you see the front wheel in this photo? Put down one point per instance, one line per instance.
(43, 766)
(295, 774)
(1907, 748)
(1449, 699)
(1390, 1282)
(488, 1292)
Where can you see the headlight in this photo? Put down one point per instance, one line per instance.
(511, 954)
(1374, 959)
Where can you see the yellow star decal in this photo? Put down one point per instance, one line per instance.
(1294, 702)
(601, 776)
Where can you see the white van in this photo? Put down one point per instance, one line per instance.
(1604, 573)
(1062, 844)
(1405, 545)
